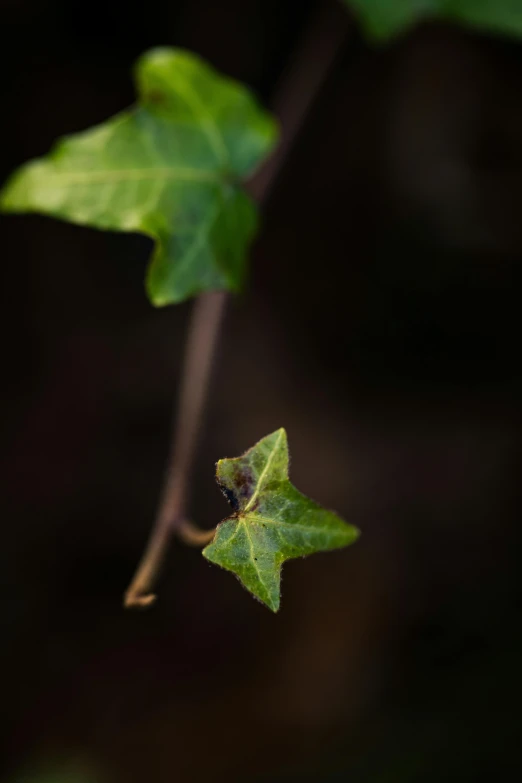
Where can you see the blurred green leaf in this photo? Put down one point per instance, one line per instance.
(503, 16)
(272, 520)
(383, 19)
(170, 168)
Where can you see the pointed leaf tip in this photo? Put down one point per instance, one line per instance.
(272, 521)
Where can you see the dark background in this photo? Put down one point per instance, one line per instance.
(380, 326)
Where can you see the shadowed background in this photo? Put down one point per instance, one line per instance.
(380, 326)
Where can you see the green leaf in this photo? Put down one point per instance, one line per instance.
(171, 168)
(503, 16)
(383, 19)
(272, 520)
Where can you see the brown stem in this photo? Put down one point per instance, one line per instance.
(300, 85)
(193, 535)
(203, 333)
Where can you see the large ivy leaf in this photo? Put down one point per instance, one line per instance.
(385, 18)
(272, 520)
(170, 168)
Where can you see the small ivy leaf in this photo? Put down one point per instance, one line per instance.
(170, 168)
(272, 520)
(383, 19)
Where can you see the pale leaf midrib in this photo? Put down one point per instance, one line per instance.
(263, 474)
(123, 175)
(252, 557)
(289, 525)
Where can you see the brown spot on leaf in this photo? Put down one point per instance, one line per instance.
(243, 488)
(244, 481)
(156, 98)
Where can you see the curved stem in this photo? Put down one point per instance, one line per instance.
(300, 85)
(207, 314)
(193, 535)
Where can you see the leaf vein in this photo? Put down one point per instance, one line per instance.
(123, 175)
(212, 132)
(252, 556)
(278, 524)
(263, 473)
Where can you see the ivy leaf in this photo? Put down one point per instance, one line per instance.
(171, 168)
(383, 19)
(272, 520)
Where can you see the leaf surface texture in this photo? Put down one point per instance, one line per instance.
(272, 520)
